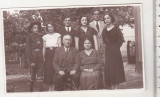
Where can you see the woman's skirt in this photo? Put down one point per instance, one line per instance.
(49, 72)
(91, 80)
(113, 69)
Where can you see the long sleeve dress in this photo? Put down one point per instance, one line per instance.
(113, 68)
(82, 35)
(91, 80)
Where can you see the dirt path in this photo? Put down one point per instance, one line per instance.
(12, 77)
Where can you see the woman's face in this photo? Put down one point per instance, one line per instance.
(107, 19)
(35, 29)
(50, 28)
(84, 21)
(87, 44)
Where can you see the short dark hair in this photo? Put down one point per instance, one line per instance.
(53, 24)
(66, 16)
(35, 23)
(96, 9)
(82, 17)
(111, 15)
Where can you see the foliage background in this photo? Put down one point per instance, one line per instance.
(16, 22)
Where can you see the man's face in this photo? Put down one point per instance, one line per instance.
(67, 22)
(67, 41)
(96, 15)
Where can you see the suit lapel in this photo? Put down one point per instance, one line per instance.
(62, 51)
(71, 30)
(101, 27)
(94, 26)
(69, 52)
(65, 29)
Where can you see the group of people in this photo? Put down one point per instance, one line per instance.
(89, 57)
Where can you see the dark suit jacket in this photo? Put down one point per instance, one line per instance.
(69, 61)
(73, 32)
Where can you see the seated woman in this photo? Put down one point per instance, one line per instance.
(91, 64)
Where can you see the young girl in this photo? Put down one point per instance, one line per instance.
(51, 41)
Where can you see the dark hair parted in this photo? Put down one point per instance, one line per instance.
(88, 40)
(111, 15)
(34, 23)
(82, 17)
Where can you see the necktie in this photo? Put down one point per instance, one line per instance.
(68, 29)
(97, 25)
(66, 52)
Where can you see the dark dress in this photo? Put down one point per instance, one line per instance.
(91, 80)
(49, 72)
(83, 35)
(113, 69)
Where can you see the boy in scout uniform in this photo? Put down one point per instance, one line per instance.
(34, 44)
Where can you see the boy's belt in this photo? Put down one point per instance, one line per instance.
(37, 50)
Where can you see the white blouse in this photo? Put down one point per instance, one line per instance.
(51, 40)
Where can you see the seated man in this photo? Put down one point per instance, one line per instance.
(66, 64)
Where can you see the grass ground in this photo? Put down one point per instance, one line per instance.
(18, 79)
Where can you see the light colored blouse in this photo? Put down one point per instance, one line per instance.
(51, 40)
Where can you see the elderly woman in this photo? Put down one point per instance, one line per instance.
(113, 39)
(91, 64)
(51, 41)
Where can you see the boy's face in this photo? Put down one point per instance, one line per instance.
(67, 22)
(35, 29)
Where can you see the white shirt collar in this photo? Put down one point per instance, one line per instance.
(65, 48)
(96, 22)
(110, 28)
(67, 28)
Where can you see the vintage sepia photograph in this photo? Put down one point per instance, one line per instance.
(73, 48)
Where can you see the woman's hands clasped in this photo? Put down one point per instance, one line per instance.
(88, 70)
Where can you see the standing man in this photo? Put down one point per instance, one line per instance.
(98, 25)
(67, 29)
(66, 64)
